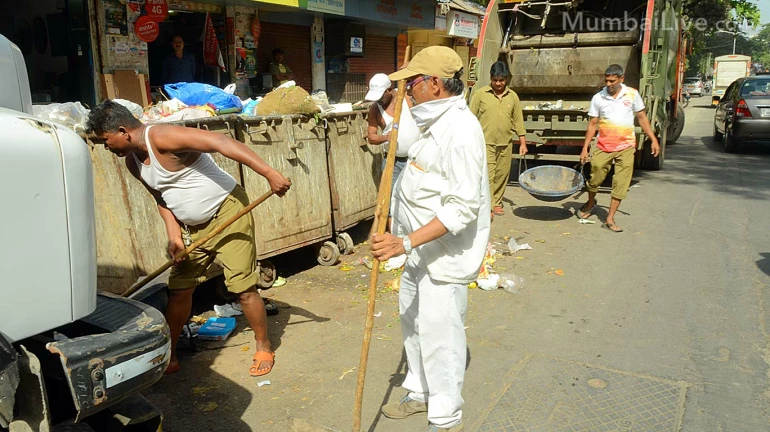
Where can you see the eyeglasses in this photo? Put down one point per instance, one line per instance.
(411, 84)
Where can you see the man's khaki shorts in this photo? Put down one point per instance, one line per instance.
(601, 162)
(233, 248)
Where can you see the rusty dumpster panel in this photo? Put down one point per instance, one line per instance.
(225, 125)
(355, 168)
(131, 239)
(295, 146)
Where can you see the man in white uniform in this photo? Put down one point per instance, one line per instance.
(441, 222)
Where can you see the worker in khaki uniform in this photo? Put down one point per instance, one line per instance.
(499, 111)
(612, 112)
(194, 197)
(441, 223)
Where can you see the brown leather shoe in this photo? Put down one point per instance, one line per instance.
(403, 409)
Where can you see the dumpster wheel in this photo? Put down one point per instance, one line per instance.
(328, 254)
(345, 243)
(266, 273)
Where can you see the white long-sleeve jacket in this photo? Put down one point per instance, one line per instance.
(446, 177)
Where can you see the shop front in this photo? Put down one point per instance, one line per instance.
(457, 25)
(369, 39)
(55, 38)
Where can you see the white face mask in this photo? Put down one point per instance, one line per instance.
(426, 113)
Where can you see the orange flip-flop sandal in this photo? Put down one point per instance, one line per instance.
(259, 357)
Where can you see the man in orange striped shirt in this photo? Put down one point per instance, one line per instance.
(612, 112)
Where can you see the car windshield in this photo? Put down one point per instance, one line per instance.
(691, 81)
(756, 88)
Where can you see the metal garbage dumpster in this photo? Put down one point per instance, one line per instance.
(355, 168)
(296, 146)
(226, 125)
(131, 238)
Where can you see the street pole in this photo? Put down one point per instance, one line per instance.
(735, 38)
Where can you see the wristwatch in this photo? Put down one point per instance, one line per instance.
(407, 245)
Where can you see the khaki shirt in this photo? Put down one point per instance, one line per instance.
(279, 69)
(501, 118)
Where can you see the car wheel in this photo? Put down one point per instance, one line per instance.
(718, 136)
(731, 145)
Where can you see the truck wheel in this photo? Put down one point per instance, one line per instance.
(266, 274)
(328, 254)
(676, 127)
(650, 162)
(345, 243)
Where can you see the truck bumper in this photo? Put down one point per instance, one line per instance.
(129, 356)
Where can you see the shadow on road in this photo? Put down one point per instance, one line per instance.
(543, 213)
(764, 263)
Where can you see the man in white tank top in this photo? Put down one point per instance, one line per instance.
(195, 196)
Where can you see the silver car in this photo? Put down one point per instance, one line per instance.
(694, 86)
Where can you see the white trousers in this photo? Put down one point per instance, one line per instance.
(432, 322)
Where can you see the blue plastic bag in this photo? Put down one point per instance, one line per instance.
(202, 94)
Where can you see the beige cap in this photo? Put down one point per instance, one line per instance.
(438, 61)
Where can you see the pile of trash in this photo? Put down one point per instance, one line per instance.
(548, 106)
(489, 280)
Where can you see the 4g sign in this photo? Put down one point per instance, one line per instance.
(157, 10)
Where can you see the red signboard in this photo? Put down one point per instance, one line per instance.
(146, 28)
(157, 10)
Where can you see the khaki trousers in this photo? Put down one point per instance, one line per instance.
(499, 165)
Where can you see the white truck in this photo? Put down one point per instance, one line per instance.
(67, 352)
(727, 69)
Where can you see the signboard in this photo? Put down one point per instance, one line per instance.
(356, 45)
(336, 7)
(462, 24)
(146, 29)
(292, 3)
(473, 69)
(440, 19)
(157, 10)
(412, 13)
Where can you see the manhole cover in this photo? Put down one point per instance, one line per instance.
(548, 394)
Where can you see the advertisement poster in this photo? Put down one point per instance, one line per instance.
(212, 55)
(115, 17)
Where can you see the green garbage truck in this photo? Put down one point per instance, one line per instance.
(557, 52)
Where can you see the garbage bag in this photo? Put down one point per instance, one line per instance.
(133, 107)
(201, 94)
(70, 114)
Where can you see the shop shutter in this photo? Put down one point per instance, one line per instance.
(294, 40)
(379, 57)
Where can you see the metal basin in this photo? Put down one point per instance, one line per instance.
(551, 182)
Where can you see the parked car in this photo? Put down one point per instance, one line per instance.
(694, 86)
(743, 113)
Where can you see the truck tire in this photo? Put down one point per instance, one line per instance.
(650, 162)
(676, 127)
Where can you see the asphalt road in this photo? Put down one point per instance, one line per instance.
(669, 316)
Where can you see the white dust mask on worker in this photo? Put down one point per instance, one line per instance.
(426, 113)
